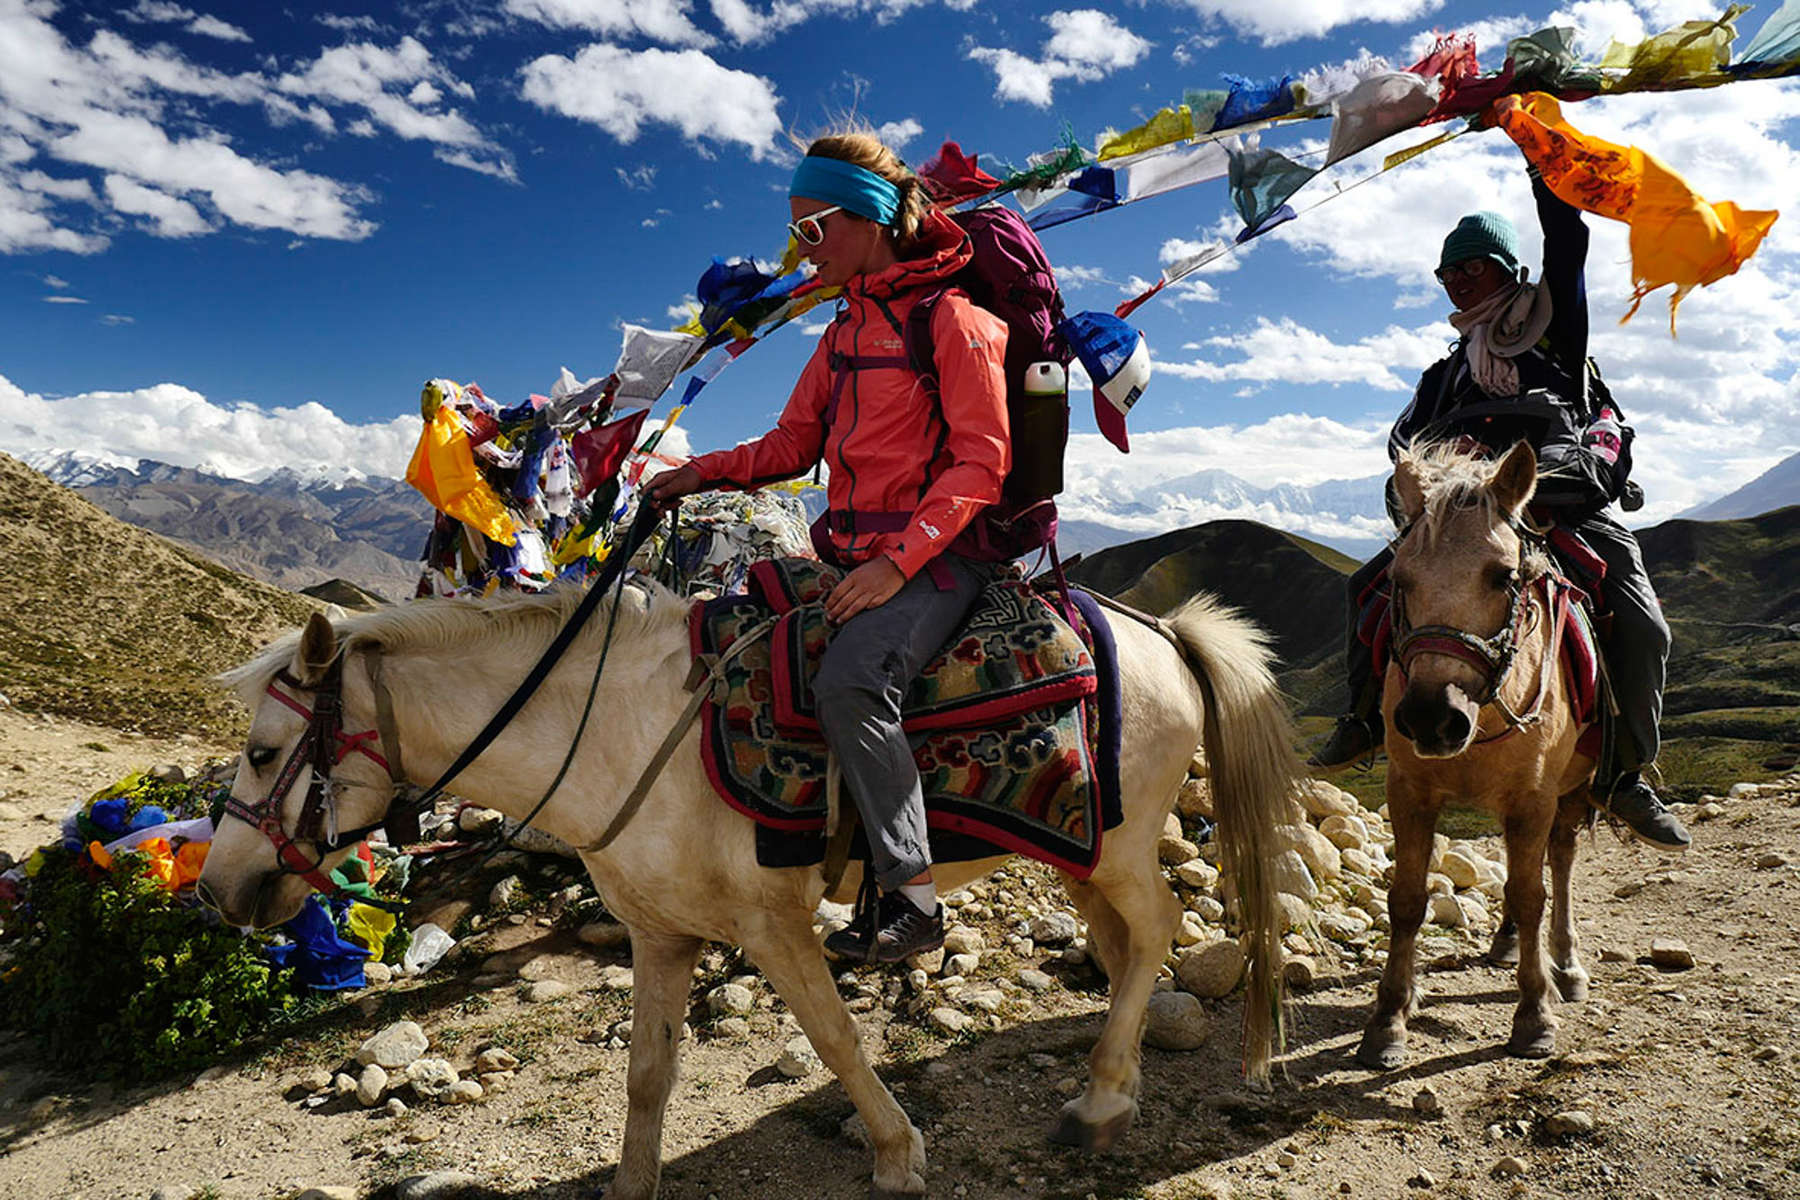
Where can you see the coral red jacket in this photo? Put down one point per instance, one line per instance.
(891, 447)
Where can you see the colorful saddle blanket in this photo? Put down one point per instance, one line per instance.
(1579, 647)
(1017, 720)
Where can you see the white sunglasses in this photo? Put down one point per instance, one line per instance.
(810, 229)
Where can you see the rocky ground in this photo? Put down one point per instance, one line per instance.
(505, 1066)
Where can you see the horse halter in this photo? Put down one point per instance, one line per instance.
(323, 746)
(1492, 657)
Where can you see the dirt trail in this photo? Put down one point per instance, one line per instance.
(1688, 1076)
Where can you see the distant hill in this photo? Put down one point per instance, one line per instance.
(1731, 591)
(288, 529)
(109, 623)
(1778, 487)
(1293, 587)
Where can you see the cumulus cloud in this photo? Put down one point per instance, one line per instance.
(1276, 21)
(138, 116)
(1284, 351)
(175, 424)
(1085, 45)
(747, 24)
(622, 90)
(156, 12)
(896, 134)
(665, 21)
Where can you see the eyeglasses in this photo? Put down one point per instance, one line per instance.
(810, 229)
(1471, 267)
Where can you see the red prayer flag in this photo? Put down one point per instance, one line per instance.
(952, 176)
(600, 451)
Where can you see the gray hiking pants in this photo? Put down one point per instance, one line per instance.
(1636, 649)
(865, 673)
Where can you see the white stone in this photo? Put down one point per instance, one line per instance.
(1445, 909)
(1346, 833)
(1292, 876)
(731, 1000)
(479, 821)
(1195, 800)
(1462, 869)
(1298, 971)
(466, 1091)
(1440, 846)
(1175, 1021)
(962, 964)
(987, 1000)
(1035, 980)
(546, 990)
(1321, 799)
(603, 935)
(505, 892)
(1207, 909)
(1315, 849)
(394, 1047)
(949, 1020)
(1173, 851)
(1292, 911)
(1211, 970)
(963, 940)
(1356, 862)
(1191, 931)
(798, 1058)
(431, 1078)
(1053, 929)
(370, 1085)
(495, 1059)
(1197, 874)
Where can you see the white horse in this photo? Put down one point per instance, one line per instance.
(684, 871)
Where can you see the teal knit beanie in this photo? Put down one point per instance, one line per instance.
(1482, 235)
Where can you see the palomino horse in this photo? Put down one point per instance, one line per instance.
(684, 870)
(1483, 717)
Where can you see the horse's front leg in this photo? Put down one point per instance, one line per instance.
(1566, 971)
(1534, 1023)
(783, 947)
(662, 973)
(1414, 821)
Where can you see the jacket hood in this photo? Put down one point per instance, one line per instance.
(941, 251)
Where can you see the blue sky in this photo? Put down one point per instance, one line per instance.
(243, 235)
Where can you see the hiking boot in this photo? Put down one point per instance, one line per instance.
(1636, 804)
(1354, 738)
(901, 932)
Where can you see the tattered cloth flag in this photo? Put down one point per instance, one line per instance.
(443, 470)
(1676, 236)
(599, 452)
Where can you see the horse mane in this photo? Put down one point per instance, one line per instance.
(523, 621)
(1454, 480)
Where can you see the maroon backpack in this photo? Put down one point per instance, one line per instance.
(1010, 277)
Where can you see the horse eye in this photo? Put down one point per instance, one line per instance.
(1503, 578)
(260, 756)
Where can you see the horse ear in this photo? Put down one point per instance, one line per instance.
(1515, 479)
(1409, 489)
(318, 646)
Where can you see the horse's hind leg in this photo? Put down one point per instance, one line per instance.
(1566, 971)
(785, 950)
(1534, 1024)
(662, 970)
(1384, 1038)
(1138, 914)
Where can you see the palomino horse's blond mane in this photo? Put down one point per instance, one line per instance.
(528, 620)
(1454, 480)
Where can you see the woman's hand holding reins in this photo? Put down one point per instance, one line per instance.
(868, 586)
(662, 492)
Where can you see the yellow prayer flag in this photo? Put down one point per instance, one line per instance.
(443, 470)
(1168, 125)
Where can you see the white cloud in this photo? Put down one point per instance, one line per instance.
(64, 300)
(117, 319)
(1277, 21)
(622, 90)
(638, 179)
(1085, 45)
(664, 21)
(169, 216)
(746, 24)
(896, 134)
(1490, 33)
(178, 425)
(55, 281)
(1075, 276)
(213, 27)
(1284, 351)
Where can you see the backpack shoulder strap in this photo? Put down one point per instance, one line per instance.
(920, 342)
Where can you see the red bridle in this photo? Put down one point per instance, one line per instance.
(323, 746)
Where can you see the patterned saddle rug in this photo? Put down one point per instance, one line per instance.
(1016, 722)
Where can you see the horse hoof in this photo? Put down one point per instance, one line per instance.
(1504, 950)
(1571, 985)
(913, 1186)
(1529, 1043)
(1072, 1129)
(1381, 1050)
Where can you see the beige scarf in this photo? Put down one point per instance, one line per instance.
(1500, 328)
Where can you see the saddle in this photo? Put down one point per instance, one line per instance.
(1573, 604)
(1015, 722)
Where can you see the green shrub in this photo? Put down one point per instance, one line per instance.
(114, 976)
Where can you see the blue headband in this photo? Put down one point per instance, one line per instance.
(845, 184)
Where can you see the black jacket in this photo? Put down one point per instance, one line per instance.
(1551, 411)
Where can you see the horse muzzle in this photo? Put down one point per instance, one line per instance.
(1439, 721)
(253, 901)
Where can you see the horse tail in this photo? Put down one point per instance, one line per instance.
(1248, 737)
